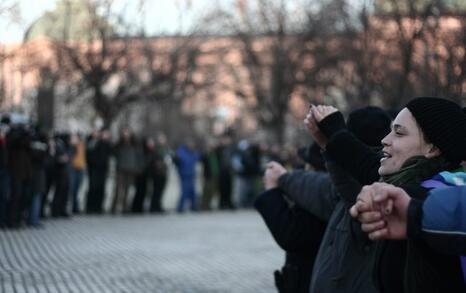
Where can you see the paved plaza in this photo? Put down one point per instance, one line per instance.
(205, 252)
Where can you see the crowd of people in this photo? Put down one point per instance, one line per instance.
(384, 213)
(42, 175)
(376, 203)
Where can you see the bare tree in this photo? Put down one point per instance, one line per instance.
(281, 53)
(116, 68)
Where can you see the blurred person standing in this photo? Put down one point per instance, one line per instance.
(225, 153)
(49, 173)
(128, 155)
(4, 177)
(142, 178)
(160, 173)
(20, 170)
(298, 232)
(186, 159)
(211, 174)
(98, 152)
(246, 164)
(78, 166)
(62, 175)
(39, 157)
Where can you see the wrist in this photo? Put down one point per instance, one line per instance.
(332, 124)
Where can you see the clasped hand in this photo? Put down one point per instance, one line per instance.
(382, 210)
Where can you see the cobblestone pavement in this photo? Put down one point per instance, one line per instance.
(207, 252)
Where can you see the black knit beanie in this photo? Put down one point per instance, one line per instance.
(443, 123)
(369, 124)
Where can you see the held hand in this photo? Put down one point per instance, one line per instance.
(321, 112)
(395, 202)
(273, 171)
(385, 216)
(314, 131)
(364, 202)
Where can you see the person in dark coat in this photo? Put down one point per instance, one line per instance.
(425, 140)
(343, 245)
(224, 153)
(39, 157)
(159, 173)
(20, 170)
(246, 163)
(295, 230)
(98, 152)
(49, 174)
(62, 176)
(142, 177)
(153, 169)
(4, 176)
(128, 156)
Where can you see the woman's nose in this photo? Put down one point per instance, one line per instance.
(385, 140)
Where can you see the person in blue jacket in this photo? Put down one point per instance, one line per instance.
(186, 159)
(439, 220)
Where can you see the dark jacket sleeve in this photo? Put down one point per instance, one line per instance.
(348, 151)
(440, 220)
(347, 187)
(311, 191)
(294, 229)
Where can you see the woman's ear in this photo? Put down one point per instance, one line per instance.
(433, 152)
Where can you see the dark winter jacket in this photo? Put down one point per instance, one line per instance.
(129, 158)
(297, 232)
(3, 154)
(40, 158)
(19, 153)
(98, 154)
(312, 191)
(400, 266)
(344, 261)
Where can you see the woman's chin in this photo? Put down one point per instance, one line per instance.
(383, 171)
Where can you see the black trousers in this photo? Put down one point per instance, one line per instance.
(158, 185)
(225, 190)
(141, 190)
(96, 192)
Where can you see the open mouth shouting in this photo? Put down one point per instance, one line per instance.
(386, 156)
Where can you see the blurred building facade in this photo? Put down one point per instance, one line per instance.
(220, 93)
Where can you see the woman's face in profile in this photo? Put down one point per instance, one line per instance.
(404, 141)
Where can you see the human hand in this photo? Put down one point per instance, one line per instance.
(321, 112)
(395, 202)
(314, 131)
(386, 215)
(273, 171)
(364, 207)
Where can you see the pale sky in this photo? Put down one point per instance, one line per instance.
(162, 16)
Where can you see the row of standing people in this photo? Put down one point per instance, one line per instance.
(230, 170)
(41, 175)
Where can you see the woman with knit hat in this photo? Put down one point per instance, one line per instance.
(427, 137)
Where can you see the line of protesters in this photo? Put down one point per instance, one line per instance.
(403, 232)
(42, 175)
